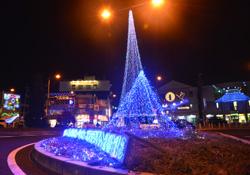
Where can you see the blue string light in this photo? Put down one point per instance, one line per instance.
(133, 64)
(113, 144)
(233, 96)
(138, 102)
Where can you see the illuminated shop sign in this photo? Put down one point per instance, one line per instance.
(171, 96)
(63, 97)
(183, 107)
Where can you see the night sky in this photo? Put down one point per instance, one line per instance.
(178, 41)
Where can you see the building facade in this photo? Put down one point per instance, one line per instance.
(228, 102)
(179, 101)
(80, 103)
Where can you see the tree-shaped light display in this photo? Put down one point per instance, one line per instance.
(133, 61)
(139, 104)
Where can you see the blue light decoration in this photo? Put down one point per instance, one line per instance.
(140, 105)
(138, 102)
(71, 102)
(113, 144)
(79, 150)
(133, 64)
(232, 96)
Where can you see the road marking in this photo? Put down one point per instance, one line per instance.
(27, 136)
(15, 169)
(235, 138)
(6, 136)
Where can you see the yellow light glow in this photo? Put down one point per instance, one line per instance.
(106, 14)
(170, 96)
(235, 105)
(183, 107)
(85, 82)
(159, 78)
(103, 118)
(157, 3)
(52, 123)
(58, 76)
(12, 90)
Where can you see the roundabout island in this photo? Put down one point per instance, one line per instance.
(126, 145)
(110, 150)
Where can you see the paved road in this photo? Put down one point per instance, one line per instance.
(9, 142)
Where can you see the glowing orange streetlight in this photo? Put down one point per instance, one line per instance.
(159, 78)
(12, 90)
(157, 3)
(58, 76)
(106, 14)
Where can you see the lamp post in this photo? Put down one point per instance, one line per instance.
(57, 77)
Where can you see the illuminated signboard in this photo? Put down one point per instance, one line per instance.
(85, 82)
(170, 96)
(176, 101)
(11, 102)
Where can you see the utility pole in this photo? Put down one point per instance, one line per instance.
(200, 100)
(25, 104)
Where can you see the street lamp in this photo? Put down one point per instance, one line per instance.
(159, 78)
(57, 77)
(106, 14)
(12, 90)
(157, 3)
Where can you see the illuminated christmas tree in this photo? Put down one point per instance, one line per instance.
(133, 64)
(139, 104)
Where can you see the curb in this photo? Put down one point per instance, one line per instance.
(63, 165)
(15, 169)
(235, 138)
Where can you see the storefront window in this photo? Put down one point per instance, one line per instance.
(242, 118)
